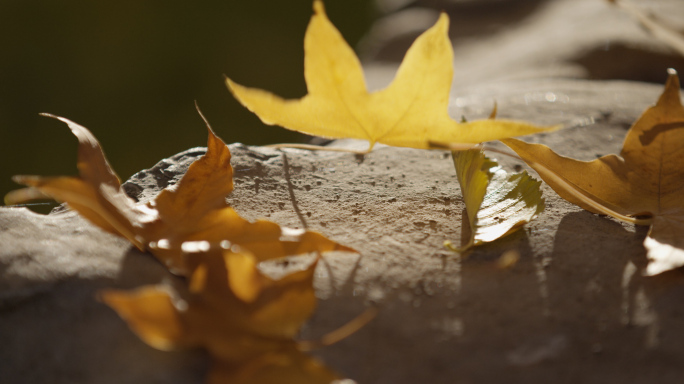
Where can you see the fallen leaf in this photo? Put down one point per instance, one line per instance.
(644, 185)
(96, 194)
(497, 203)
(250, 337)
(194, 211)
(410, 112)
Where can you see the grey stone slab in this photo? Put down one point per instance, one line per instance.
(574, 308)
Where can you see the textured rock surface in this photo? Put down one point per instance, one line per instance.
(500, 40)
(52, 328)
(573, 309)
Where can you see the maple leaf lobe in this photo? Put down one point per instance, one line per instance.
(410, 112)
(645, 185)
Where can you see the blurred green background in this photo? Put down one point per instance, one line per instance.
(130, 71)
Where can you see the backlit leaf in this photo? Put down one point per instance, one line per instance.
(410, 112)
(497, 203)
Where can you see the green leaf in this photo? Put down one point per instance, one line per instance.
(497, 203)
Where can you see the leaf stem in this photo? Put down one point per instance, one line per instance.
(312, 147)
(456, 249)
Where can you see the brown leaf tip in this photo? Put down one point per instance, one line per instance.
(672, 80)
(672, 88)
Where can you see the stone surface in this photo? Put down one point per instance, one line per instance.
(502, 40)
(52, 328)
(574, 308)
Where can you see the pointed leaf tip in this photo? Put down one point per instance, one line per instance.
(443, 22)
(318, 7)
(206, 122)
(672, 87)
(672, 79)
(339, 105)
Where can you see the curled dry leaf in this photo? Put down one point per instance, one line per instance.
(644, 185)
(246, 320)
(410, 112)
(497, 203)
(192, 210)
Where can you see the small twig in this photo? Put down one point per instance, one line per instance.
(465, 147)
(341, 332)
(461, 250)
(667, 35)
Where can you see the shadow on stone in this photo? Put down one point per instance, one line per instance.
(618, 61)
(140, 268)
(469, 19)
(596, 287)
(290, 189)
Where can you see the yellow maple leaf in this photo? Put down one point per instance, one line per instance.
(497, 203)
(410, 112)
(644, 185)
(246, 320)
(193, 210)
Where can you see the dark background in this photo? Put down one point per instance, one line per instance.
(130, 71)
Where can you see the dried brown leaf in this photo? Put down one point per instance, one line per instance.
(192, 210)
(245, 319)
(644, 185)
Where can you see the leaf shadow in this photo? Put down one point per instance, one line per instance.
(596, 289)
(347, 287)
(466, 231)
(290, 190)
(115, 348)
(518, 241)
(141, 268)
